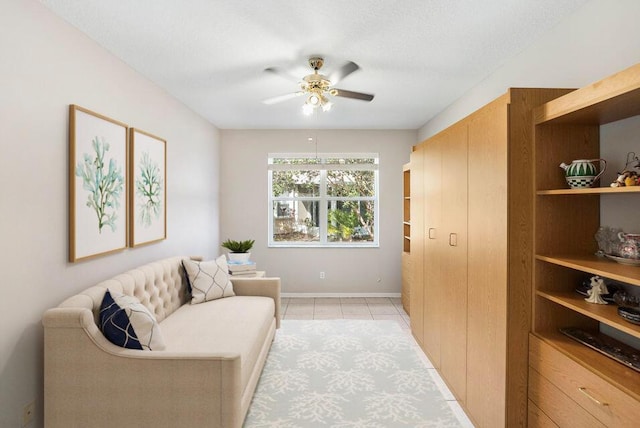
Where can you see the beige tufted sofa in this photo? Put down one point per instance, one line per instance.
(215, 352)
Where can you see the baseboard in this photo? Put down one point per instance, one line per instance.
(340, 294)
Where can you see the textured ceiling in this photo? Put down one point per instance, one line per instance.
(416, 56)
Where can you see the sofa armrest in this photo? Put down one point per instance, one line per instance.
(99, 384)
(267, 287)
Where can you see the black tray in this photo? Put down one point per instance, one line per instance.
(606, 345)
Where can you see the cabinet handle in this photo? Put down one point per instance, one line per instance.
(432, 233)
(453, 239)
(598, 402)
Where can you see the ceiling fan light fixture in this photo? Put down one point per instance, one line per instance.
(307, 109)
(326, 106)
(314, 100)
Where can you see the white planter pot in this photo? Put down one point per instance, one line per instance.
(239, 257)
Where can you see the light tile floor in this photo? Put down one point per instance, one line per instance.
(366, 308)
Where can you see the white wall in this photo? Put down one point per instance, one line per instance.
(244, 209)
(600, 39)
(47, 65)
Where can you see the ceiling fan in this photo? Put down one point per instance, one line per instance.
(317, 87)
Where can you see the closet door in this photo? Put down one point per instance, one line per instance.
(453, 253)
(487, 249)
(433, 235)
(417, 243)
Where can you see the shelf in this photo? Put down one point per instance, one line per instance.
(615, 98)
(589, 191)
(607, 314)
(597, 266)
(616, 373)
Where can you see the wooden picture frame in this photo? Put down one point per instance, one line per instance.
(148, 188)
(97, 184)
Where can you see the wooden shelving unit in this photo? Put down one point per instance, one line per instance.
(406, 222)
(406, 237)
(565, 223)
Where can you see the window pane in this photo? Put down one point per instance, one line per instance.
(350, 161)
(296, 221)
(350, 183)
(295, 161)
(296, 183)
(350, 221)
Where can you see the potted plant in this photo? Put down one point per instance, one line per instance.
(239, 250)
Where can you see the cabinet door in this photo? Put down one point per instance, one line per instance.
(417, 243)
(453, 245)
(434, 234)
(487, 264)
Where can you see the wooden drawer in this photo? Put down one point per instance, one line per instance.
(537, 418)
(611, 406)
(555, 404)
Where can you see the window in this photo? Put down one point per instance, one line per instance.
(323, 200)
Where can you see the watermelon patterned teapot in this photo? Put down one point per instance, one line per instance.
(583, 173)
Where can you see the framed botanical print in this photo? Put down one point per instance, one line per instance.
(97, 184)
(148, 191)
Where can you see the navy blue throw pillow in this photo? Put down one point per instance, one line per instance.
(115, 324)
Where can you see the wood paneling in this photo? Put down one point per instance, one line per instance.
(434, 234)
(453, 259)
(487, 253)
(417, 207)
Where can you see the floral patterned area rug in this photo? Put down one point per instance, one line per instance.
(346, 374)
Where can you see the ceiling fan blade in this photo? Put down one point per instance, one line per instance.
(343, 72)
(351, 94)
(280, 98)
(282, 73)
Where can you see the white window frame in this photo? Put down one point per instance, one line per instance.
(323, 199)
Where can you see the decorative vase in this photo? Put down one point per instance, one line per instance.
(239, 257)
(629, 245)
(583, 173)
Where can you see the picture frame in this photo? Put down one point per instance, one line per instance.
(148, 188)
(98, 200)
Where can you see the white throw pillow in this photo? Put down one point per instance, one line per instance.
(128, 323)
(209, 280)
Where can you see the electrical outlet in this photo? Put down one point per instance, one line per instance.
(28, 413)
(321, 275)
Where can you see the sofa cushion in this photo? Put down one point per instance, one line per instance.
(235, 325)
(209, 280)
(126, 322)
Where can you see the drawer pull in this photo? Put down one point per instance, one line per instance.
(598, 402)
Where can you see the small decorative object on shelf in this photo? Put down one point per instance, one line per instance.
(629, 245)
(582, 173)
(598, 288)
(608, 240)
(624, 299)
(585, 287)
(630, 314)
(628, 177)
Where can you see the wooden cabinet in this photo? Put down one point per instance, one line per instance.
(417, 207)
(451, 277)
(430, 264)
(476, 205)
(596, 388)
